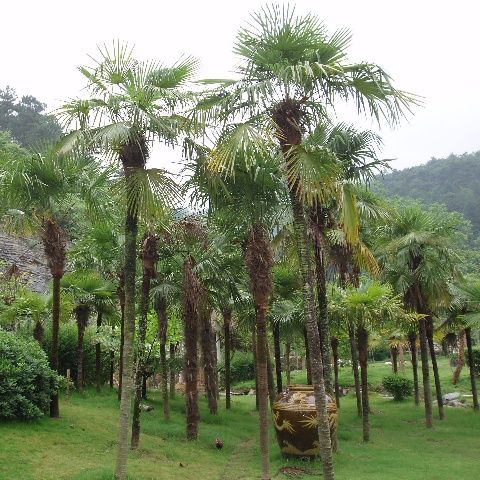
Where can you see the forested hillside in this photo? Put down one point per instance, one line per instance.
(453, 181)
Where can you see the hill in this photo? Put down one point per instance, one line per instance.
(453, 181)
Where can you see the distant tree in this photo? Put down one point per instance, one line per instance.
(26, 120)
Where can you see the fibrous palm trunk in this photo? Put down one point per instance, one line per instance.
(81, 312)
(190, 299)
(307, 357)
(334, 343)
(161, 310)
(436, 375)
(121, 299)
(394, 356)
(149, 257)
(412, 342)
(287, 361)
(278, 356)
(270, 379)
(316, 364)
(207, 342)
(259, 262)
(227, 318)
(356, 377)
(427, 395)
(255, 366)
(471, 364)
(98, 358)
(362, 339)
(53, 239)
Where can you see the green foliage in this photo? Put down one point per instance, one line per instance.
(451, 181)
(26, 380)
(67, 353)
(399, 387)
(26, 120)
(241, 368)
(476, 359)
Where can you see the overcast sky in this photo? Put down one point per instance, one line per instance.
(429, 47)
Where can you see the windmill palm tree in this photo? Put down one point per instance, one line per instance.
(43, 193)
(89, 290)
(290, 72)
(132, 104)
(416, 250)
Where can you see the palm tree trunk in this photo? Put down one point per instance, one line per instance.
(362, 339)
(471, 363)
(334, 342)
(263, 390)
(278, 356)
(287, 361)
(227, 318)
(271, 381)
(81, 312)
(98, 353)
(255, 366)
(172, 372)
(427, 396)
(412, 341)
(307, 357)
(301, 237)
(353, 353)
(394, 356)
(121, 298)
(323, 323)
(191, 292)
(461, 357)
(129, 334)
(207, 338)
(436, 376)
(161, 310)
(112, 367)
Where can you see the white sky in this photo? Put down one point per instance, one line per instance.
(429, 47)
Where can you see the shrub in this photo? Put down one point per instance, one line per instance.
(26, 380)
(476, 359)
(241, 368)
(67, 353)
(399, 387)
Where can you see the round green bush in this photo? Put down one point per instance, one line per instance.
(398, 386)
(26, 380)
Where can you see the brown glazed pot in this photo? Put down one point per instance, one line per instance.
(295, 420)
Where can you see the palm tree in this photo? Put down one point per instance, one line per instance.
(416, 249)
(41, 191)
(132, 103)
(89, 290)
(291, 71)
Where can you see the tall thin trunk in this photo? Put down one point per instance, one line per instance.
(412, 342)
(207, 342)
(81, 312)
(307, 357)
(128, 339)
(255, 366)
(227, 318)
(436, 376)
(362, 339)
(427, 395)
(54, 241)
(191, 292)
(144, 387)
(278, 356)
(471, 364)
(394, 356)
(112, 368)
(259, 262)
(121, 298)
(161, 309)
(356, 377)
(313, 338)
(270, 379)
(334, 342)
(149, 257)
(323, 322)
(287, 361)
(172, 372)
(460, 357)
(98, 358)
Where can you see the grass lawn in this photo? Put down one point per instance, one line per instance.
(81, 444)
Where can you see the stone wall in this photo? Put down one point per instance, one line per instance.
(27, 254)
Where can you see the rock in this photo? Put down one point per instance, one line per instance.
(450, 396)
(146, 408)
(251, 391)
(456, 404)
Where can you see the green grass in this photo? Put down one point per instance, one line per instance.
(81, 445)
